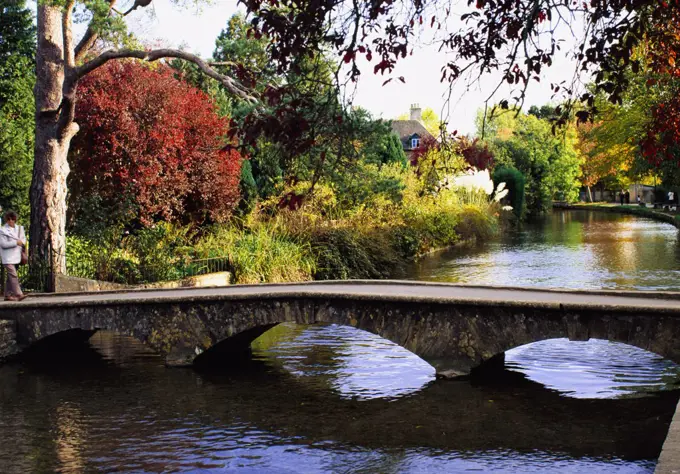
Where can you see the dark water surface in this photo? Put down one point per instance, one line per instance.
(338, 400)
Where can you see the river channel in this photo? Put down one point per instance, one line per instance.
(332, 399)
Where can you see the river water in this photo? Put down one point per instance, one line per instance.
(336, 399)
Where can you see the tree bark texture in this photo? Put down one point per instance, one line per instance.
(48, 187)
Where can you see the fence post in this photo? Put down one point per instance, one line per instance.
(49, 276)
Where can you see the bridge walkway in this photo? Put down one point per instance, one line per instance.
(377, 290)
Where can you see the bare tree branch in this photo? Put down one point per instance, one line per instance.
(230, 83)
(138, 3)
(223, 63)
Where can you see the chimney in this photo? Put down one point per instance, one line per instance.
(416, 112)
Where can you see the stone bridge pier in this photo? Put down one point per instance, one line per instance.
(449, 326)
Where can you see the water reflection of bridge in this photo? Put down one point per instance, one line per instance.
(141, 405)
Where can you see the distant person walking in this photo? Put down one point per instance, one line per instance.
(621, 197)
(627, 197)
(12, 242)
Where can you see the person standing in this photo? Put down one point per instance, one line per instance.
(12, 241)
(621, 197)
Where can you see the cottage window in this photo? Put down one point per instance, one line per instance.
(415, 142)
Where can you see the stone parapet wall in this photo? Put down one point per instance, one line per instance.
(8, 336)
(69, 284)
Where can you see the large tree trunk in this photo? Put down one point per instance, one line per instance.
(48, 187)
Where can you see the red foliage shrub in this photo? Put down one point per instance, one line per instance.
(663, 135)
(475, 153)
(153, 143)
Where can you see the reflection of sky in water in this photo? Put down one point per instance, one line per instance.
(568, 250)
(244, 450)
(594, 368)
(355, 363)
(265, 458)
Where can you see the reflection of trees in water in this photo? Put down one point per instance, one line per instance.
(288, 346)
(590, 249)
(70, 437)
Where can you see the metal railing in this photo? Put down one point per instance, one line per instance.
(129, 273)
(33, 278)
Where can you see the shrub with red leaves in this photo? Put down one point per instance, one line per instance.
(476, 154)
(153, 144)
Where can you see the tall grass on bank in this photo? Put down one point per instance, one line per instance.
(259, 255)
(320, 240)
(254, 255)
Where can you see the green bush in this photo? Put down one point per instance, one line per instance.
(406, 241)
(433, 226)
(514, 182)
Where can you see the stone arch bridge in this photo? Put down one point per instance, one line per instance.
(455, 328)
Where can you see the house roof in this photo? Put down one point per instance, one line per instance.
(406, 129)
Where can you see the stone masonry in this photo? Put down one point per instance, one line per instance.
(8, 336)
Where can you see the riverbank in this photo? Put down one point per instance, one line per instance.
(290, 246)
(672, 218)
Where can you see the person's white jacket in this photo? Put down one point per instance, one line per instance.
(10, 252)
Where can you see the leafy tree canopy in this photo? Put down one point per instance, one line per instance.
(17, 109)
(518, 39)
(150, 147)
(550, 163)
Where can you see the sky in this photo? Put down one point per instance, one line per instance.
(196, 28)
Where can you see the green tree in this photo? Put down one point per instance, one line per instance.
(380, 145)
(247, 187)
(549, 162)
(17, 109)
(298, 130)
(17, 35)
(514, 182)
